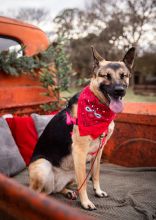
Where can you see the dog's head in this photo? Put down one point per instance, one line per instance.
(111, 78)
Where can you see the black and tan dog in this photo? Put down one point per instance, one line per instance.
(64, 147)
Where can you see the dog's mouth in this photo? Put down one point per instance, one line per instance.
(114, 100)
(115, 104)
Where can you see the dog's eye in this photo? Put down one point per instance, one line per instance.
(97, 115)
(108, 76)
(100, 75)
(122, 76)
(88, 109)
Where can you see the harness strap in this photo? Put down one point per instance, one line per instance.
(76, 192)
(102, 141)
(70, 120)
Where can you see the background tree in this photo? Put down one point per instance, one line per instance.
(131, 18)
(33, 15)
(112, 26)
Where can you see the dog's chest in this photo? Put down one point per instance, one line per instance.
(67, 162)
(93, 148)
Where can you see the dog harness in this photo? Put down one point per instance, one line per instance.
(94, 117)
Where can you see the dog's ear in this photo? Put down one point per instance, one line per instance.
(129, 57)
(96, 56)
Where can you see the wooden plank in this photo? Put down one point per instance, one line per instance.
(140, 108)
(23, 96)
(133, 142)
(136, 119)
(24, 204)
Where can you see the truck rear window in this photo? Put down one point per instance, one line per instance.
(9, 44)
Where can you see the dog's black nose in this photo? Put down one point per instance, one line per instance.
(119, 90)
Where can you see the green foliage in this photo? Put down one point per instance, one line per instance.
(63, 66)
(53, 66)
(46, 78)
(61, 79)
(10, 64)
(50, 106)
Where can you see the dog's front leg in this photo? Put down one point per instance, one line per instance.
(79, 150)
(96, 176)
(80, 170)
(96, 166)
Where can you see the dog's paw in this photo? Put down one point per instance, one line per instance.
(100, 193)
(88, 205)
(71, 195)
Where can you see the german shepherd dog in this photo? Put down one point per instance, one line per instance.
(61, 153)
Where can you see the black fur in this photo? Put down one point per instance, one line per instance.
(55, 142)
(113, 66)
(111, 90)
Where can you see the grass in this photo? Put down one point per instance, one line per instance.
(130, 96)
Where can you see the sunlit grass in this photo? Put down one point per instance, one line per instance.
(131, 97)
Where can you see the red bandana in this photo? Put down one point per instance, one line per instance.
(93, 116)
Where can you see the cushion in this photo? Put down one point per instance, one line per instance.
(11, 161)
(41, 122)
(25, 135)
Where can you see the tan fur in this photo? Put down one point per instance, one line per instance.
(80, 149)
(41, 176)
(103, 71)
(48, 179)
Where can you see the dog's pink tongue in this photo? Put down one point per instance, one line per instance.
(116, 105)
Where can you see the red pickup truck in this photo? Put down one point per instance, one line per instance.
(23, 94)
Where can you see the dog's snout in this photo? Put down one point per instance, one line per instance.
(119, 90)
